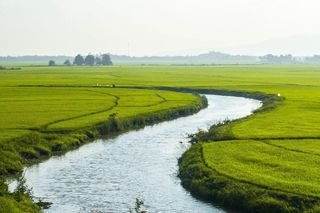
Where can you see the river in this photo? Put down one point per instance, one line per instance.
(108, 174)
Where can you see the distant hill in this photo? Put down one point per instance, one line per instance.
(209, 58)
(297, 45)
(33, 59)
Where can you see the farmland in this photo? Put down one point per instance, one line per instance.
(35, 113)
(39, 121)
(269, 162)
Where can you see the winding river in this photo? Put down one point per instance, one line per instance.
(107, 175)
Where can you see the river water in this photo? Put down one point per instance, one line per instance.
(107, 175)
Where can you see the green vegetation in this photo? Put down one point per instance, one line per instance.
(264, 163)
(51, 63)
(18, 201)
(90, 60)
(139, 207)
(39, 121)
(225, 186)
(267, 162)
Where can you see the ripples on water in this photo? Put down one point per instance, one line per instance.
(107, 175)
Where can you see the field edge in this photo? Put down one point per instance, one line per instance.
(206, 184)
(58, 143)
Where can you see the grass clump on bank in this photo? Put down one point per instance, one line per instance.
(18, 201)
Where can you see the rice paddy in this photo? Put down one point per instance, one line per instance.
(273, 154)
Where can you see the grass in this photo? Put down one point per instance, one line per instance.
(226, 188)
(38, 121)
(271, 158)
(263, 163)
(9, 205)
(25, 108)
(297, 117)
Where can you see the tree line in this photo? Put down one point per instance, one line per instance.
(274, 59)
(89, 60)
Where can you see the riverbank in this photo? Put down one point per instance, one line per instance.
(289, 130)
(110, 173)
(209, 172)
(43, 144)
(206, 183)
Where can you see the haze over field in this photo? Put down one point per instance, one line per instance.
(142, 27)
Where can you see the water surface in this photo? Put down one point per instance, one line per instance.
(107, 175)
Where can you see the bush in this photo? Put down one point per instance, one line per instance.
(217, 132)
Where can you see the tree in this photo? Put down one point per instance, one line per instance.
(67, 62)
(106, 60)
(89, 60)
(98, 61)
(78, 60)
(52, 63)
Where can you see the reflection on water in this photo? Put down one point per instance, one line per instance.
(107, 175)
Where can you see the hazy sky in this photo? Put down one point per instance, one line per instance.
(152, 27)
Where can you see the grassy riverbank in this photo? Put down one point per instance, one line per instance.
(38, 122)
(273, 154)
(264, 163)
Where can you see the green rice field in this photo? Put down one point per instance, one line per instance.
(270, 162)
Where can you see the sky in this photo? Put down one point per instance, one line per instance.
(159, 27)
